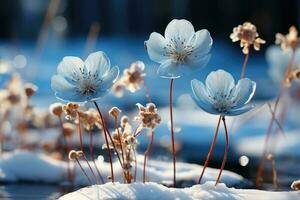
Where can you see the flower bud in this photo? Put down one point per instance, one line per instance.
(56, 109)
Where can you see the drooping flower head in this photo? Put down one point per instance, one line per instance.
(221, 96)
(181, 50)
(79, 81)
(247, 35)
(288, 41)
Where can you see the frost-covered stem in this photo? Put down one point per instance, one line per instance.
(212, 146)
(147, 91)
(146, 154)
(172, 133)
(260, 170)
(83, 171)
(135, 163)
(93, 156)
(107, 143)
(66, 148)
(226, 151)
(244, 65)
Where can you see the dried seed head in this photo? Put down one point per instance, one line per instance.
(30, 89)
(296, 185)
(247, 35)
(124, 121)
(114, 112)
(288, 41)
(71, 110)
(148, 116)
(72, 155)
(132, 78)
(56, 109)
(75, 154)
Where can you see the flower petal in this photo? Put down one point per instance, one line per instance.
(72, 68)
(198, 63)
(201, 42)
(170, 69)
(181, 30)
(109, 79)
(243, 92)
(219, 82)
(241, 110)
(156, 47)
(64, 90)
(97, 63)
(201, 97)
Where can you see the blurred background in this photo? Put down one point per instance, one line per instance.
(36, 34)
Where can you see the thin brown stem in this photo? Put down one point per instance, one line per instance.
(226, 152)
(91, 169)
(83, 171)
(244, 65)
(146, 154)
(212, 146)
(66, 148)
(107, 143)
(80, 133)
(172, 133)
(93, 156)
(260, 170)
(135, 163)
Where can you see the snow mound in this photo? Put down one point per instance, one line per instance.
(155, 191)
(37, 167)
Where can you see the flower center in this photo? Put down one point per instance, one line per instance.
(178, 50)
(87, 88)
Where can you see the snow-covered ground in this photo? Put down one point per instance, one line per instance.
(149, 191)
(29, 166)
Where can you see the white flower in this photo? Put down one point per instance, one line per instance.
(181, 50)
(79, 81)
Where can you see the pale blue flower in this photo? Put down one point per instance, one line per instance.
(79, 81)
(181, 50)
(220, 95)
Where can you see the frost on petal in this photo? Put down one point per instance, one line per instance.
(156, 47)
(63, 89)
(72, 68)
(179, 29)
(219, 82)
(201, 97)
(201, 42)
(239, 111)
(97, 63)
(169, 69)
(243, 92)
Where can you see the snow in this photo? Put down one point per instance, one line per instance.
(38, 167)
(155, 191)
(287, 144)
